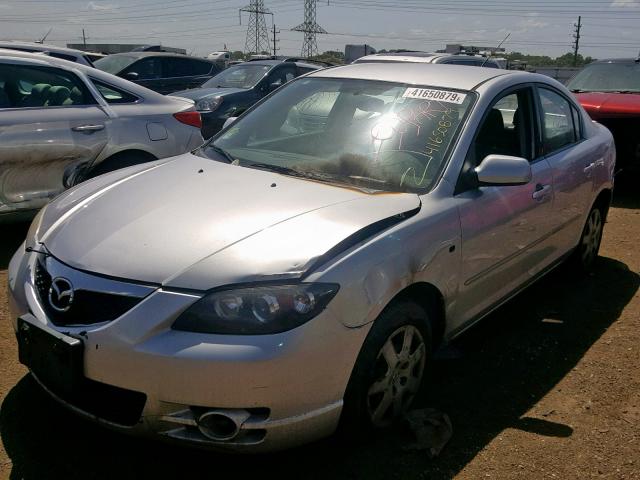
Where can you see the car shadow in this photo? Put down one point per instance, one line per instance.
(627, 189)
(486, 381)
(10, 239)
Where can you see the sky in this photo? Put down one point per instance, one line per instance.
(546, 27)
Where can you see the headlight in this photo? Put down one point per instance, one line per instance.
(208, 104)
(256, 310)
(32, 235)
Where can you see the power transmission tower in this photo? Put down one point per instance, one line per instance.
(310, 28)
(576, 44)
(84, 39)
(257, 34)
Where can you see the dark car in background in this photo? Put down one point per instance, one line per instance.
(609, 90)
(163, 72)
(237, 88)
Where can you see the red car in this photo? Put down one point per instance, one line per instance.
(609, 90)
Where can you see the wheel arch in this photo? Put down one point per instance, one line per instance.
(429, 297)
(111, 162)
(603, 200)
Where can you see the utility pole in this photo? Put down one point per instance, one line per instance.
(84, 39)
(275, 40)
(257, 33)
(576, 44)
(310, 28)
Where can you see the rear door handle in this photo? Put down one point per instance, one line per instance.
(88, 128)
(541, 191)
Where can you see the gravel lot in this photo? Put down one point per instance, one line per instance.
(547, 387)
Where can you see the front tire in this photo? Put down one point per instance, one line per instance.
(390, 369)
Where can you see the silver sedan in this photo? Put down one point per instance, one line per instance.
(62, 123)
(297, 271)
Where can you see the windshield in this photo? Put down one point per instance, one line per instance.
(368, 134)
(240, 76)
(114, 63)
(607, 77)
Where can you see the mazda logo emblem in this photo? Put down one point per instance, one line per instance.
(61, 294)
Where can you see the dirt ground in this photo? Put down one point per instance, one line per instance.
(547, 387)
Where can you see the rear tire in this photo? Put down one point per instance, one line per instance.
(584, 256)
(390, 369)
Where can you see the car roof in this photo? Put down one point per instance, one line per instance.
(416, 57)
(435, 75)
(43, 47)
(157, 54)
(38, 59)
(274, 62)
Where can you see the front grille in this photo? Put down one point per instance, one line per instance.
(113, 404)
(91, 304)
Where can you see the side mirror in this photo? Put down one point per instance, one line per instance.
(503, 170)
(229, 121)
(133, 76)
(274, 85)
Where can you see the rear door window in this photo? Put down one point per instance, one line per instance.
(147, 69)
(557, 121)
(113, 94)
(37, 86)
(185, 67)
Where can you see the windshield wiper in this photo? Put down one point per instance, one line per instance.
(276, 169)
(222, 152)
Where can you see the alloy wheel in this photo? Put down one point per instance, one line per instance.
(398, 372)
(592, 236)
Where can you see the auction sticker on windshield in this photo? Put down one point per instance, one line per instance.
(430, 94)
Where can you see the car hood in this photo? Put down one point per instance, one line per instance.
(603, 104)
(200, 93)
(196, 223)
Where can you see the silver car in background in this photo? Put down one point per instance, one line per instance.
(70, 54)
(318, 264)
(62, 123)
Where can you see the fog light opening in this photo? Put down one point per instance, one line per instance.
(217, 426)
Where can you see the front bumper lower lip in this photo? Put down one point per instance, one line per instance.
(256, 434)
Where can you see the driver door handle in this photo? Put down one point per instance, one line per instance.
(88, 128)
(541, 191)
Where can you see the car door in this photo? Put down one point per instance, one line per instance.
(183, 73)
(148, 73)
(504, 228)
(573, 161)
(50, 125)
(278, 77)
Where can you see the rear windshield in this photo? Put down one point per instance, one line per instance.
(607, 77)
(114, 64)
(240, 76)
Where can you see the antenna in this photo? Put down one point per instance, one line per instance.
(45, 36)
(499, 45)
